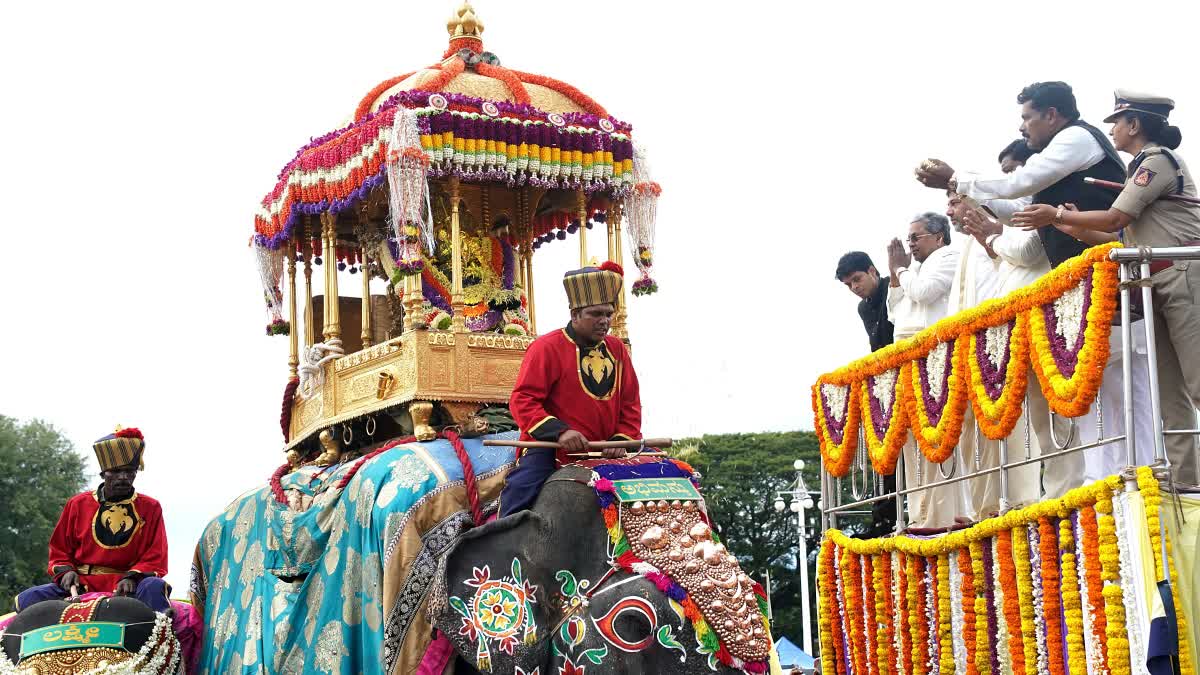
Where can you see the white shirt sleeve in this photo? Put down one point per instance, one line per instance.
(1005, 208)
(1072, 149)
(935, 279)
(894, 296)
(1018, 247)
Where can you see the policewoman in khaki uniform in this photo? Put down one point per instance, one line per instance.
(1140, 128)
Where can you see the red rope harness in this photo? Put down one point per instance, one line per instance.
(460, 451)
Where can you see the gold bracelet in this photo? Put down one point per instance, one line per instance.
(1058, 215)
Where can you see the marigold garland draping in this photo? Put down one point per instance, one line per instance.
(838, 442)
(884, 426)
(922, 626)
(1152, 498)
(1076, 300)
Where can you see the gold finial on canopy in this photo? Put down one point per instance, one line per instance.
(463, 23)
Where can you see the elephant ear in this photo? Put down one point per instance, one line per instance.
(494, 594)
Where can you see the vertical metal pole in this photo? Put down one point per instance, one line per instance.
(1160, 447)
(1003, 475)
(1127, 366)
(803, 565)
(770, 611)
(900, 485)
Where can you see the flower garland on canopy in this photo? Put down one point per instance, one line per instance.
(1014, 601)
(837, 410)
(980, 355)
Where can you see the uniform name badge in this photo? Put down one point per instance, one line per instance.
(655, 489)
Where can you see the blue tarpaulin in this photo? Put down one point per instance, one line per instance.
(791, 656)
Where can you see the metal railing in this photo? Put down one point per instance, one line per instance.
(866, 488)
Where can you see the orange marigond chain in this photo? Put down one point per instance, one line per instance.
(1091, 566)
(827, 598)
(885, 613)
(835, 456)
(870, 623)
(917, 621)
(851, 587)
(1012, 600)
(1051, 594)
(968, 606)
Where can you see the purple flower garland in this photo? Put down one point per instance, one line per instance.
(879, 419)
(1067, 357)
(993, 375)
(935, 407)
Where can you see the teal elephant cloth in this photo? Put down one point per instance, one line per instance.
(322, 586)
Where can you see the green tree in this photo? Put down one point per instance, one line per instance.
(41, 470)
(742, 474)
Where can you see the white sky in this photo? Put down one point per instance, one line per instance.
(140, 136)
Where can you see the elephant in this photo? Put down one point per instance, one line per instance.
(119, 633)
(539, 591)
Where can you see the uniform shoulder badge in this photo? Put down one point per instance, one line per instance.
(1143, 177)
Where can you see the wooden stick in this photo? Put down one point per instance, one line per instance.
(594, 455)
(596, 445)
(1121, 186)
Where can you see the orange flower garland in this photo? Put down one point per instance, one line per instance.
(1072, 396)
(851, 587)
(510, 80)
(870, 625)
(1012, 600)
(937, 442)
(968, 604)
(1091, 566)
(1051, 598)
(885, 612)
(883, 452)
(997, 417)
(916, 612)
(837, 457)
(827, 601)
(445, 71)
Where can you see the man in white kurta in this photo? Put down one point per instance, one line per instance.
(918, 297)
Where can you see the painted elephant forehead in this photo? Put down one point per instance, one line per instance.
(290, 587)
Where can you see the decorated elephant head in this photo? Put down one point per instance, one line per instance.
(595, 579)
(104, 635)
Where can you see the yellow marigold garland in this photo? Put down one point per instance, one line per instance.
(837, 457)
(1072, 396)
(945, 626)
(1091, 563)
(983, 650)
(1012, 600)
(1110, 574)
(1152, 497)
(991, 313)
(916, 614)
(938, 441)
(884, 452)
(998, 417)
(908, 597)
(1071, 599)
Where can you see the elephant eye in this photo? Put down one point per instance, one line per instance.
(629, 624)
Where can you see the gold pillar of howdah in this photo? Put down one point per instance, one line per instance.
(581, 198)
(306, 249)
(529, 291)
(618, 256)
(333, 328)
(366, 299)
(293, 328)
(458, 319)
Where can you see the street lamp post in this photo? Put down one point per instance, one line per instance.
(801, 499)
